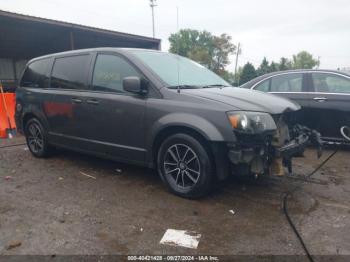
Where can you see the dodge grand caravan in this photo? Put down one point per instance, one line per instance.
(158, 110)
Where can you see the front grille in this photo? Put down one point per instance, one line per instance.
(256, 140)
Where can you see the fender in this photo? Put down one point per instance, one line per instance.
(194, 122)
(33, 110)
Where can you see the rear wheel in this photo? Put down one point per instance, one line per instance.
(36, 138)
(185, 166)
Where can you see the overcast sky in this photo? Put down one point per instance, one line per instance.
(271, 28)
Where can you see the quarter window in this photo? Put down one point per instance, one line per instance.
(109, 73)
(329, 83)
(287, 83)
(35, 74)
(70, 72)
(264, 86)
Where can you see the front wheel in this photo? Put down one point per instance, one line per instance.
(185, 166)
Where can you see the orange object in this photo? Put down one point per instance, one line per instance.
(234, 119)
(7, 113)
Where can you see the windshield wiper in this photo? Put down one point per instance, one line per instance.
(184, 87)
(196, 87)
(215, 85)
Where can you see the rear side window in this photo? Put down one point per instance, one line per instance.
(264, 86)
(330, 83)
(70, 72)
(287, 83)
(35, 74)
(109, 73)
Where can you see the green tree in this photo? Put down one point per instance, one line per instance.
(304, 60)
(222, 49)
(273, 67)
(248, 73)
(207, 49)
(284, 64)
(264, 67)
(186, 40)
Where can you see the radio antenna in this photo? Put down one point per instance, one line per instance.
(178, 49)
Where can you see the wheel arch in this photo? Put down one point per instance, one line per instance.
(26, 118)
(194, 125)
(176, 129)
(31, 114)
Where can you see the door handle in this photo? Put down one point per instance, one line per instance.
(77, 100)
(320, 99)
(92, 101)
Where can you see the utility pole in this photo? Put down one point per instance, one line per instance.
(152, 4)
(237, 54)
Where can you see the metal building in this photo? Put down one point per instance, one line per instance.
(23, 37)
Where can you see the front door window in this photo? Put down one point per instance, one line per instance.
(109, 73)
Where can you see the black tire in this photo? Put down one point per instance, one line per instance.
(36, 138)
(184, 181)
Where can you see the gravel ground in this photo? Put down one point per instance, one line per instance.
(75, 204)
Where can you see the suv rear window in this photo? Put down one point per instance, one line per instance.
(70, 72)
(35, 74)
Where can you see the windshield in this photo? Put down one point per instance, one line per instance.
(176, 70)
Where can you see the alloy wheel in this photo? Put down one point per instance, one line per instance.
(182, 166)
(35, 138)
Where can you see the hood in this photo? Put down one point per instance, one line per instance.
(245, 99)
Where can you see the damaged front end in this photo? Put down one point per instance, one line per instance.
(270, 148)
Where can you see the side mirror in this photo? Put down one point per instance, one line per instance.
(136, 85)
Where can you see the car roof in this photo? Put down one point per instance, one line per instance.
(259, 78)
(79, 51)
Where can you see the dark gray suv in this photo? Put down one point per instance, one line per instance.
(158, 110)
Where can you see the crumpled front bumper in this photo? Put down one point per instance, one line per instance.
(265, 156)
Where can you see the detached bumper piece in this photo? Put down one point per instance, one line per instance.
(293, 147)
(303, 137)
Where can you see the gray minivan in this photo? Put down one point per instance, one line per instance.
(158, 110)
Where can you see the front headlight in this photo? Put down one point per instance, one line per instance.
(251, 122)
